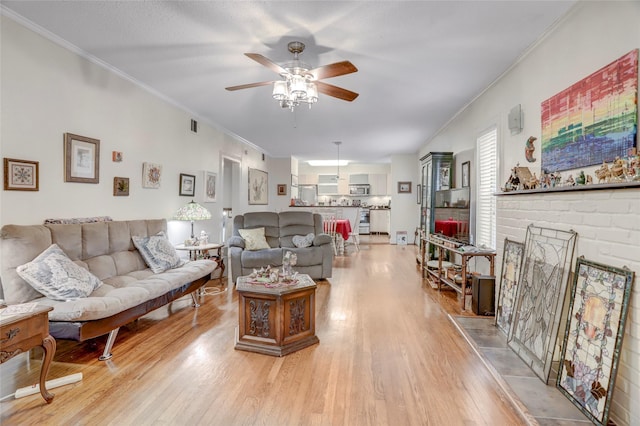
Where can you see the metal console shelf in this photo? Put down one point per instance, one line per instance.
(440, 275)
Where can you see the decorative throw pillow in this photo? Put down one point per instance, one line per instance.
(157, 252)
(54, 275)
(302, 241)
(254, 239)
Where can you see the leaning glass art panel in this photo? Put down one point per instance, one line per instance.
(595, 326)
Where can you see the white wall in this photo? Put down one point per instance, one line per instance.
(48, 90)
(405, 209)
(608, 222)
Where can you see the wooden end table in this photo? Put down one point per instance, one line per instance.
(21, 332)
(203, 250)
(276, 321)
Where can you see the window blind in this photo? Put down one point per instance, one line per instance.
(487, 148)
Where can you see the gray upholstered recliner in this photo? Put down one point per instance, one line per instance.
(280, 228)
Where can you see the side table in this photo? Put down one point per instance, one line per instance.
(277, 320)
(21, 332)
(203, 251)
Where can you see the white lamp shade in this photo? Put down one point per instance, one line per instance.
(280, 91)
(312, 93)
(298, 86)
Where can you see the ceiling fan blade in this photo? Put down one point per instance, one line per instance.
(248, 86)
(262, 60)
(333, 70)
(335, 91)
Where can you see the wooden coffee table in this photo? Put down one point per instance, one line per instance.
(276, 321)
(21, 332)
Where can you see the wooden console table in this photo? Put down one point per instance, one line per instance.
(440, 275)
(21, 332)
(276, 321)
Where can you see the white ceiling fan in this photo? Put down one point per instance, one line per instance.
(299, 82)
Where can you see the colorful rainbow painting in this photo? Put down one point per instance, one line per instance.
(594, 120)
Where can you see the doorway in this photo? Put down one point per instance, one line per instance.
(230, 194)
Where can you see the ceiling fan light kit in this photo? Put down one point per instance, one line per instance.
(300, 84)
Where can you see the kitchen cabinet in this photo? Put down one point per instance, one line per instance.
(358, 179)
(378, 184)
(380, 221)
(308, 179)
(343, 186)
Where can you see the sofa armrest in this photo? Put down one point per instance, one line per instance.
(236, 241)
(322, 239)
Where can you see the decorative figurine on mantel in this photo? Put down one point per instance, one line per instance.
(617, 170)
(581, 179)
(529, 147)
(603, 173)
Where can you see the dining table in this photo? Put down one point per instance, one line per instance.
(343, 227)
(343, 230)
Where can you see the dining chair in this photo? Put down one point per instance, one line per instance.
(330, 225)
(354, 235)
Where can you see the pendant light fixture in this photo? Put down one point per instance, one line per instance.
(338, 143)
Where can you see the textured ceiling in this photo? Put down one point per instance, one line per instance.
(419, 62)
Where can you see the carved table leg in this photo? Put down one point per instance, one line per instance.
(49, 345)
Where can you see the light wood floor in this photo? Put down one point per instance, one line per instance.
(388, 355)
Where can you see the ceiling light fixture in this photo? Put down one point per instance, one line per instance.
(328, 163)
(338, 143)
(296, 86)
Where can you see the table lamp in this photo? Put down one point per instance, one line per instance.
(192, 211)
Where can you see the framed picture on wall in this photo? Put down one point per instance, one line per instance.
(151, 175)
(20, 175)
(209, 186)
(258, 187)
(81, 159)
(187, 185)
(466, 170)
(404, 187)
(282, 189)
(120, 186)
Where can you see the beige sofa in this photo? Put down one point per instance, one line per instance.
(129, 290)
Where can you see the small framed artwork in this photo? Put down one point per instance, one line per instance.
(121, 186)
(466, 170)
(294, 180)
(209, 186)
(282, 189)
(82, 159)
(258, 187)
(116, 156)
(404, 187)
(187, 185)
(20, 175)
(419, 194)
(151, 174)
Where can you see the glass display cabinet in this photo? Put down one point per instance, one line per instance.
(436, 173)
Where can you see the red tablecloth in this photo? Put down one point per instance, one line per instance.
(343, 227)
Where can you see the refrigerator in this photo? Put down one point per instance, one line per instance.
(308, 194)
